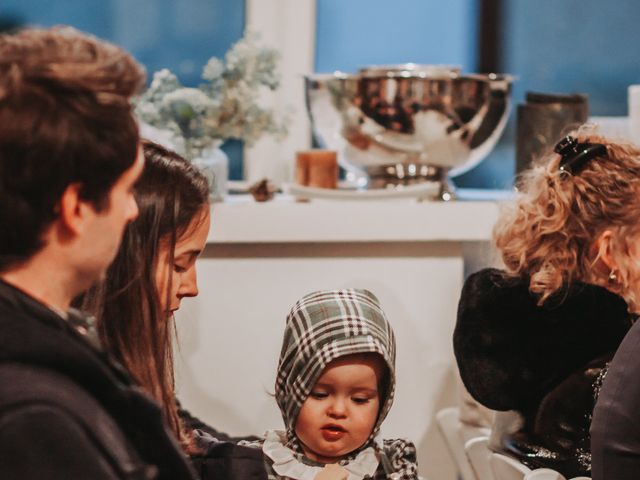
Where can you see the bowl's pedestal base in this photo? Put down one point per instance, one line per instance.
(386, 176)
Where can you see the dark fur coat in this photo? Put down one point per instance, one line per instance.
(543, 363)
(511, 352)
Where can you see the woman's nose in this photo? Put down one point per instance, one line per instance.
(189, 284)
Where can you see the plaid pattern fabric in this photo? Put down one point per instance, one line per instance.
(321, 327)
(402, 460)
(399, 461)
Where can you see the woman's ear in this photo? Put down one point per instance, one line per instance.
(604, 249)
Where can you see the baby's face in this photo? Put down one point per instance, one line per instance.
(342, 409)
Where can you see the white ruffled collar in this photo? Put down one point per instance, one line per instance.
(286, 464)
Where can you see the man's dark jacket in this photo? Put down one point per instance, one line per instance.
(67, 411)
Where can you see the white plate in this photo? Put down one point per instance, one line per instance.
(424, 190)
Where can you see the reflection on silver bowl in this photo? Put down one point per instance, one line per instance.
(416, 69)
(402, 125)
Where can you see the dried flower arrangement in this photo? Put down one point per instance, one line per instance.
(226, 105)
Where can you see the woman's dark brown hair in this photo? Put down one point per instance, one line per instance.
(171, 196)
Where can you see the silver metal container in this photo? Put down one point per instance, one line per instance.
(403, 124)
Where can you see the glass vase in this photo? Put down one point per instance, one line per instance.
(214, 163)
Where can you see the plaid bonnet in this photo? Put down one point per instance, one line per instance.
(321, 327)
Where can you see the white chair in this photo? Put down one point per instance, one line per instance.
(456, 435)
(544, 474)
(507, 468)
(478, 453)
(549, 474)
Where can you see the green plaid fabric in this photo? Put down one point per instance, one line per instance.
(321, 327)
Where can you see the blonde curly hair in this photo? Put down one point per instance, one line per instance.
(549, 234)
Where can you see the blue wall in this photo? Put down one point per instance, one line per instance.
(177, 34)
(354, 33)
(585, 46)
(568, 46)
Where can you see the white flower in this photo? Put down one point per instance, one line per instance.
(225, 106)
(186, 104)
(213, 70)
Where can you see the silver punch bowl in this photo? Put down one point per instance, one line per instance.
(403, 124)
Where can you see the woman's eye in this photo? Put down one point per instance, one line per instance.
(319, 395)
(179, 269)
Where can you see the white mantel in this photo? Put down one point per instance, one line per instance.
(242, 220)
(262, 257)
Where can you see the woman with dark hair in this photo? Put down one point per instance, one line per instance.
(134, 305)
(153, 270)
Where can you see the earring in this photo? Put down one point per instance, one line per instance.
(613, 278)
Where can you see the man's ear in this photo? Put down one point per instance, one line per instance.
(73, 209)
(604, 249)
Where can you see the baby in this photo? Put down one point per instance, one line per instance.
(335, 385)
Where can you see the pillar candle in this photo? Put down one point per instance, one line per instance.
(317, 168)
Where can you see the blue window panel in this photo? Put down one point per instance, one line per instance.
(180, 35)
(584, 46)
(573, 46)
(354, 33)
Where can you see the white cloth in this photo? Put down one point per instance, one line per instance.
(285, 463)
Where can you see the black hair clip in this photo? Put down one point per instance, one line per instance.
(575, 155)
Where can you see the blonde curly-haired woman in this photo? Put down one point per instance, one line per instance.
(536, 338)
